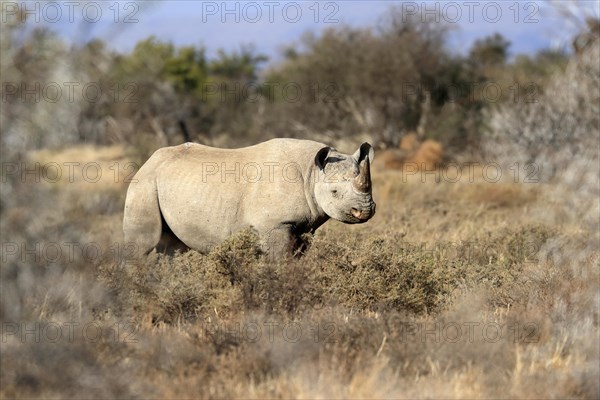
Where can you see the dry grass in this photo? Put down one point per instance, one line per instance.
(370, 311)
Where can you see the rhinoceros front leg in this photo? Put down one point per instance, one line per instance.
(284, 242)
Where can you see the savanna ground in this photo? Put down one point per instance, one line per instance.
(454, 289)
(475, 286)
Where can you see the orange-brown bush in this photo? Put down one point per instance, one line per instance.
(427, 155)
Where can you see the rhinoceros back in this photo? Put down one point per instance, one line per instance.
(205, 194)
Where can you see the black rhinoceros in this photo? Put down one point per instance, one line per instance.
(282, 188)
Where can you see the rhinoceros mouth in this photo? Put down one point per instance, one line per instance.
(360, 216)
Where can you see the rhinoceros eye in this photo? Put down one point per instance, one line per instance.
(334, 193)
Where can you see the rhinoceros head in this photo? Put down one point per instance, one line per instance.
(343, 187)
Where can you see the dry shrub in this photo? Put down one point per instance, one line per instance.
(64, 369)
(427, 155)
(558, 128)
(409, 142)
(559, 293)
(377, 274)
(235, 256)
(234, 276)
(380, 273)
(169, 289)
(498, 264)
(284, 287)
(558, 135)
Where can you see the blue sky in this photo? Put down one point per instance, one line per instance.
(271, 25)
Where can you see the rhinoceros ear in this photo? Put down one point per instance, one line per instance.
(321, 157)
(364, 151)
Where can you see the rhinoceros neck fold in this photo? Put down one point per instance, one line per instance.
(318, 216)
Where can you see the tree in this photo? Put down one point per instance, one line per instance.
(241, 66)
(187, 69)
(490, 51)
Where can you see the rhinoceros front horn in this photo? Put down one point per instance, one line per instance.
(362, 182)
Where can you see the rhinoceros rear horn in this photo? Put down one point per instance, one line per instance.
(364, 156)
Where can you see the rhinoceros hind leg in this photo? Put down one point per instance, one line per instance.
(142, 223)
(169, 243)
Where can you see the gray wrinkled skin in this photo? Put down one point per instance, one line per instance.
(283, 188)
